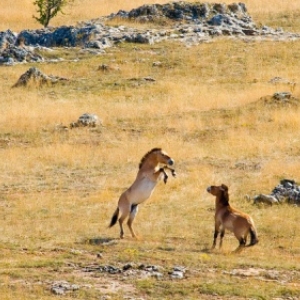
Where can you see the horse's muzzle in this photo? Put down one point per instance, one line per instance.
(170, 162)
(209, 189)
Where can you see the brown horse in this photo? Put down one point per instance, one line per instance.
(151, 169)
(227, 217)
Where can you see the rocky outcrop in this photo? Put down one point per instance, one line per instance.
(10, 51)
(178, 11)
(190, 23)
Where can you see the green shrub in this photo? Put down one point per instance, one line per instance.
(48, 9)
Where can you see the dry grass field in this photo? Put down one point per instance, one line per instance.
(206, 108)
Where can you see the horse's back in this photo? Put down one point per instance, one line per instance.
(233, 219)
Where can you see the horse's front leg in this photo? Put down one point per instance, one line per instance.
(215, 239)
(173, 172)
(221, 237)
(133, 212)
(216, 233)
(162, 170)
(241, 245)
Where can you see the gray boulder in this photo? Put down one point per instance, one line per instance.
(86, 120)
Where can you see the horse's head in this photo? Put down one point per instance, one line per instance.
(164, 158)
(218, 190)
(157, 156)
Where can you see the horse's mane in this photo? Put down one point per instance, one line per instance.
(147, 155)
(225, 196)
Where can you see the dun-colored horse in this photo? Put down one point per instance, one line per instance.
(151, 169)
(227, 217)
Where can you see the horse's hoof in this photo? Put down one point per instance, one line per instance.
(253, 243)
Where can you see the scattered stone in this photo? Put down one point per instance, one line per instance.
(128, 266)
(60, 288)
(61, 127)
(275, 80)
(150, 268)
(282, 96)
(106, 297)
(149, 79)
(157, 64)
(151, 271)
(76, 251)
(266, 199)
(86, 120)
(35, 76)
(177, 275)
(103, 269)
(283, 81)
(99, 44)
(128, 270)
(177, 272)
(104, 68)
(108, 68)
(58, 291)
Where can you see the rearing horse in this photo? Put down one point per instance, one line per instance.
(227, 217)
(151, 169)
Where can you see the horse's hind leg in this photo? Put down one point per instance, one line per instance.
(124, 214)
(241, 245)
(121, 220)
(215, 239)
(221, 238)
(133, 212)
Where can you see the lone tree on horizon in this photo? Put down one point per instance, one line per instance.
(48, 9)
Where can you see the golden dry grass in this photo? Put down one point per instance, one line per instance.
(60, 188)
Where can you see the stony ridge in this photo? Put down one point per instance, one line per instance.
(196, 12)
(191, 23)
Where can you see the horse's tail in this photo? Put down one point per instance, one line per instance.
(253, 236)
(114, 218)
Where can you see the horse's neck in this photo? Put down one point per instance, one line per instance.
(222, 202)
(149, 166)
(149, 171)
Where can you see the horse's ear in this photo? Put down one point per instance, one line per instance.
(224, 187)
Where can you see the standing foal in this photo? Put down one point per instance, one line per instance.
(227, 217)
